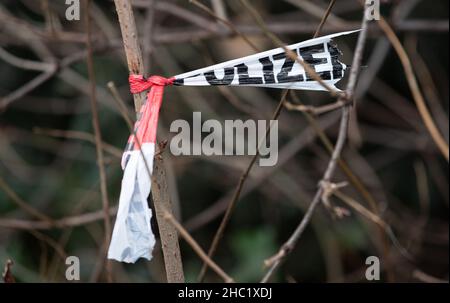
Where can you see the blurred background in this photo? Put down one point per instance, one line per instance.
(50, 201)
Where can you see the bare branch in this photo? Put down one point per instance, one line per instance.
(161, 200)
(197, 248)
(415, 90)
(98, 140)
(289, 245)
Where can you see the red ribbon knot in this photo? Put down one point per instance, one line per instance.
(139, 84)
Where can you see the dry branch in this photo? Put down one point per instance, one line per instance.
(161, 198)
(415, 90)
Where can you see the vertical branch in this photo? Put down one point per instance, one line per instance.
(131, 44)
(98, 140)
(161, 199)
(168, 232)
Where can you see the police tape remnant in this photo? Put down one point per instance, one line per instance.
(274, 69)
(132, 236)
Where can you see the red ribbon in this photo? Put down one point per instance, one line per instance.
(147, 122)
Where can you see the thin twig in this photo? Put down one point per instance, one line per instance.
(353, 179)
(415, 90)
(316, 10)
(424, 277)
(71, 221)
(430, 90)
(121, 104)
(26, 88)
(178, 11)
(358, 207)
(22, 204)
(291, 27)
(219, 233)
(79, 135)
(98, 139)
(292, 55)
(316, 110)
(324, 18)
(197, 248)
(225, 22)
(51, 242)
(25, 63)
